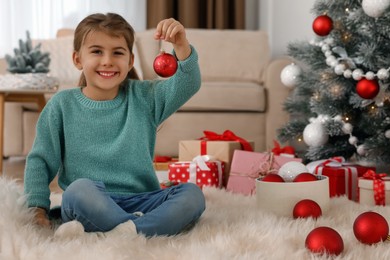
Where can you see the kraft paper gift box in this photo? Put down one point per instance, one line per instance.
(374, 189)
(343, 176)
(247, 166)
(202, 171)
(221, 150)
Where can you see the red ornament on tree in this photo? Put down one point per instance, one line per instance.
(307, 208)
(165, 64)
(370, 228)
(272, 177)
(324, 240)
(367, 89)
(305, 176)
(322, 25)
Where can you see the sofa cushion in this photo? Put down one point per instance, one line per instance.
(228, 96)
(229, 55)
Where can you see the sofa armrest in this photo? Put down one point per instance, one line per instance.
(277, 93)
(3, 66)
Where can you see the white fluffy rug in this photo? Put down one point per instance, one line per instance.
(231, 228)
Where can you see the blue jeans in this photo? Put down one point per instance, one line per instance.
(165, 212)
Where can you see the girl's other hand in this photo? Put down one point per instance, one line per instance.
(41, 219)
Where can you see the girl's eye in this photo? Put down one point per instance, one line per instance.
(118, 53)
(97, 51)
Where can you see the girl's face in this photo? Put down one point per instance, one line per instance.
(105, 61)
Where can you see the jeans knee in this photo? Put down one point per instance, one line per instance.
(194, 197)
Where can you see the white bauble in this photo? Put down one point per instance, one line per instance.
(387, 134)
(375, 8)
(289, 75)
(315, 135)
(290, 170)
(383, 74)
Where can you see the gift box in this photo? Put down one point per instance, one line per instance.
(220, 147)
(247, 166)
(374, 189)
(201, 170)
(161, 163)
(343, 176)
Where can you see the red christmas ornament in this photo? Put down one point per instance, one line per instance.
(273, 177)
(367, 89)
(165, 65)
(322, 25)
(324, 240)
(305, 176)
(370, 228)
(307, 208)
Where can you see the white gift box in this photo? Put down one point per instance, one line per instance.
(281, 197)
(366, 191)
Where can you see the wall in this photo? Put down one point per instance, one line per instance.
(285, 21)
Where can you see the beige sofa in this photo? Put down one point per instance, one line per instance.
(241, 89)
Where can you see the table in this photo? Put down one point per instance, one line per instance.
(19, 95)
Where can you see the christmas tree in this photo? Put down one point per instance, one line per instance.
(340, 103)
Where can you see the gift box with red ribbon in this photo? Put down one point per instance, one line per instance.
(219, 146)
(160, 163)
(202, 170)
(374, 189)
(343, 176)
(247, 166)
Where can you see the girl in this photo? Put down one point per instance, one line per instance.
(100, 138)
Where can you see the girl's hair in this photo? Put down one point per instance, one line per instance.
(111, 24)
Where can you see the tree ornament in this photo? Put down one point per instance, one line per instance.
(289, 75)
(387, 134)
(304, 177)
(165, 65)
(315, 134)
(367, 89)
(273, 177)
(290, 170)
(370, 228)
(307, 208)
(324, 240)
(375, 8)
(322, 25)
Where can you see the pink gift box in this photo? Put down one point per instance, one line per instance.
(247, 166)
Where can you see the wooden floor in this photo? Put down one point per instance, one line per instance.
(13, 167)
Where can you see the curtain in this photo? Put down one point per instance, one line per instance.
(42, 18)
(210, 14)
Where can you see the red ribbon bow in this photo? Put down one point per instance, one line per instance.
(378, 185)
(226, 136)
(277, 150)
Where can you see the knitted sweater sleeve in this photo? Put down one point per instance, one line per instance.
(44, 160)
(172, 93)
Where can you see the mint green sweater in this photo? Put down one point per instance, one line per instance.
(110, 141)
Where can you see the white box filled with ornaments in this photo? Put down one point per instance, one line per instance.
(279, 193)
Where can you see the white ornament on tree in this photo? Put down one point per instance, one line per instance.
(315, 135)
(375, 8)
(290, 170)
(289, 75)
(387, 134)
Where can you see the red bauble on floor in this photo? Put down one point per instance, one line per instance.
(307, 208)
(370, 228)
(324, 240)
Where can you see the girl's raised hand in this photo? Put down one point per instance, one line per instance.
(173, 31)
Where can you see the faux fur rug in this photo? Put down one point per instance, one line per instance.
(231, 228)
